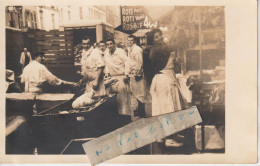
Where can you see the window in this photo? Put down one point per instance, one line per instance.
(69, 14)
(80, 13)
(27, 20)
(31, 20)
(41, 19)
(61, 14)
(53, 21)
(10, 19)
(20, 19)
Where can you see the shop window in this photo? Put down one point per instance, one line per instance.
(69, 15)
(35, 21)
(31, 20)
(20, 17)
(41, 19)
(61, 14)
(53, 21)
(27, 20)
(80, 13)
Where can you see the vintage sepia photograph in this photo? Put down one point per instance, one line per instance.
(76, 73)
(109, 80)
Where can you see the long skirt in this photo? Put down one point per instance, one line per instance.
(166, 95)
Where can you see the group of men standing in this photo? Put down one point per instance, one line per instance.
(123, 70)
(106, 69)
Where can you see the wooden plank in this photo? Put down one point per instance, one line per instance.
(57, 65)
(54, 97)
(53, 47)
(54, 33)
(59, 56)
(14, 124)
(60, 51)
(139, 133)
(53, 42)
(63, 61)
(20, 96)
(51, 37)
(62, 55)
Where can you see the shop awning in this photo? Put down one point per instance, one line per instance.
(141, 32)
(88, 23)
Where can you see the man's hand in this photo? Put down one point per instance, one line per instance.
(126, 79)
(107, 76)
(138, 77)
(95, 85)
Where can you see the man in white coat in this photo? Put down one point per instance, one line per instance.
(116, 67)
(139, 91)
(36, 76)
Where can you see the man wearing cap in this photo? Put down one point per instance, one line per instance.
(36, 76)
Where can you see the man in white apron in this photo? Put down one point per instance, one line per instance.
(139, 91)
(93, 75)
(117, 62)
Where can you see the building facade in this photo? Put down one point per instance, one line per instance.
(48, 17)
(69, 15)
(21, 17)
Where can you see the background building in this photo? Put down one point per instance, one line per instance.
(80, 14)
(47, 17)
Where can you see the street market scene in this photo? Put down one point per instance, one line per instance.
(82, 76)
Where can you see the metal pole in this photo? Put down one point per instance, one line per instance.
(201, 99)
(200, 42)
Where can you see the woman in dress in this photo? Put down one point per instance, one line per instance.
(165, 90)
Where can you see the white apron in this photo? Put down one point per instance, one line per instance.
(165, 91)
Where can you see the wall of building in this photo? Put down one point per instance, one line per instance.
(14, 47)
(76, 14)
(48, 18)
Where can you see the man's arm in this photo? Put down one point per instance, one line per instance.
(22, 59)
(100, 65)
(50, 78)
(30, 57)
(139, 61)
(126, 60)
(98, 78)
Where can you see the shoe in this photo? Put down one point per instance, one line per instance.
(180, 136)
(173, 143)
(160, 140)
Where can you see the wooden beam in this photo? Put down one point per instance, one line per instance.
(54, 97)
(42, 96)
(14, 124)
(20, 96)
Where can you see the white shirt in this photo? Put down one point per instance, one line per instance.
(116, 63)
(135, 54)
(84, 56)
(92, 62)
(35, 74)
